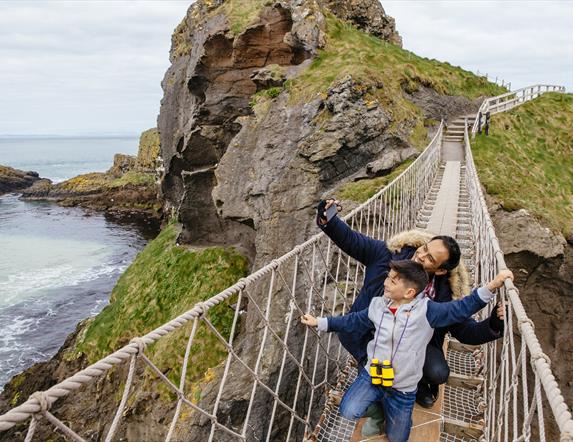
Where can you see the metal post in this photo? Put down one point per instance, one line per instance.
(487, 114)
(479, 123)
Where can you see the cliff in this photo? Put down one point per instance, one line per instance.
(526, 167)
(267, 107)
(128, 188)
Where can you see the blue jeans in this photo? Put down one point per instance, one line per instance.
(397, 406)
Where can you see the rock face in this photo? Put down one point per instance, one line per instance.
(542, 262)
(14, 180)
(368, 16)
(447, 107)
(249, 174)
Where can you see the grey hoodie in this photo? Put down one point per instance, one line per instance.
(412, 327)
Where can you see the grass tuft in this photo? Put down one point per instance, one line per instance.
(360, 191)
(387, 70)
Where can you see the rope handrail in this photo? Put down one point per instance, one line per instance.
(490, 248)
(317, 277)
(31, 407)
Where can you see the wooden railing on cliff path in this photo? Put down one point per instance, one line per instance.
(317, 277)
(509, 100)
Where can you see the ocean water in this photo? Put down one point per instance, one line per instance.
(58, 265)
(61, 158)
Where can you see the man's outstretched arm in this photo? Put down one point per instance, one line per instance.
(355, 244)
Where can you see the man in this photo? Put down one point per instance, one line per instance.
(440, 257)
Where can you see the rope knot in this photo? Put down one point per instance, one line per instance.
(540, 355)
(43, 400)
(242, 282)
(140, 344)
(203, 307)
(526, 321)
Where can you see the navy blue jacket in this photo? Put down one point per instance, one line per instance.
(375, 256)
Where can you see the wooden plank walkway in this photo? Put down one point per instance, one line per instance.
(427, 423)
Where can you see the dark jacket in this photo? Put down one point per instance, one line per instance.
(376, 256)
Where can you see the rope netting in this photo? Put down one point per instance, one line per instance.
(314, 277)
(514, 393)
(286, 370)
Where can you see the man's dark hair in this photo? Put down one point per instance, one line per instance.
(453, 249)
(412, 273)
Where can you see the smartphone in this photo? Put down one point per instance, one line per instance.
(330, 212)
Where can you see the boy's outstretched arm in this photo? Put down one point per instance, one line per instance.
(453, 312)
(349, 323)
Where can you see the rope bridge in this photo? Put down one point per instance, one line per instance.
(317, 277)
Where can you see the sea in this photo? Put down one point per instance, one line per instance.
(58, 265)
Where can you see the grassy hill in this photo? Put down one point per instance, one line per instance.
(527, 160)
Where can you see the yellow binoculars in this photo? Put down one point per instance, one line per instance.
(382, 373)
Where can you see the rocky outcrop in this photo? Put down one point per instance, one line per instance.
(442, 107)
(247, 171)
(368, 16)
(14, 180)
(127, 189)
(542, 262)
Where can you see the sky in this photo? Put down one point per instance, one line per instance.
(95, 67)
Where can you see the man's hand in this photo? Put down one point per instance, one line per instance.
(497, 317)
(500, 310)
(323, 206)
(309, 320)
(498, 281)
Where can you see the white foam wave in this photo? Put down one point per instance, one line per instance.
(23, 285)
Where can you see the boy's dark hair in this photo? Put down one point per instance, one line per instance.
(412, 273)
(453, 249)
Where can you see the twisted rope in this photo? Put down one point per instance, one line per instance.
(388, 211)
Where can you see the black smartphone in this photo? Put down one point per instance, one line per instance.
(330, 212)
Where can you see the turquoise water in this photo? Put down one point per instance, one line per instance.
(61, 158)
(57, 264)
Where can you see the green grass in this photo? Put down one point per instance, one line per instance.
(96, 181)
(164, 281)
(376, 62)
(241, 13)
(360, 191)
(527, 160)
(386, 71)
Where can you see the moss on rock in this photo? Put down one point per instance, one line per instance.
(148, 149)
(362, 190)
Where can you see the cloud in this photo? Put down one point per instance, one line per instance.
(96, 66)
(84, 67)
(522, 42)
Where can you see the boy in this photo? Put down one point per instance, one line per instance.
(403, 321)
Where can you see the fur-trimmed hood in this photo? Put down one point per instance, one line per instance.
(458, 277)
